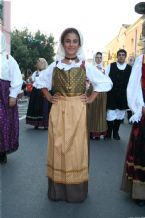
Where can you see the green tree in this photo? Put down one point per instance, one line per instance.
(27, 48)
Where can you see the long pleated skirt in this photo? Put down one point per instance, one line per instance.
(9, 121)
(133, 179)
(97, 116)
(67, 168)
(38, 109)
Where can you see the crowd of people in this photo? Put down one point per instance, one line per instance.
(76, 102)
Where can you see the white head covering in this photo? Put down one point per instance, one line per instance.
(3, 56)
(94, 61)
(61, 53)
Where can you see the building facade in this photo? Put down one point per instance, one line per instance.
(130, 37)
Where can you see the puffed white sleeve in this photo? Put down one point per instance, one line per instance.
(100, 81)
(45, 78)
(15, 78)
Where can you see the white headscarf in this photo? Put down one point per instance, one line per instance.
(94, 62)
(61, 53)
(3, 56)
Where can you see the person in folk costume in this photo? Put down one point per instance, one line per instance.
(67, 167)
(97, 110)
(39, 107)
(133, 180)
(119, 72)
(10, 87)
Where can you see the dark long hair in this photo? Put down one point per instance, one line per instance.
(67, 31)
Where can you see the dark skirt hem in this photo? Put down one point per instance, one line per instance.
(66, 192)
(10, 150)
(37, 123)
(98, 134)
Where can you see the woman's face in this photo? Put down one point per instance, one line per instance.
(40, 65)
(71, 45)
(98, 58)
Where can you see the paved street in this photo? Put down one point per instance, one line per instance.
(22, 107)
(24, 184)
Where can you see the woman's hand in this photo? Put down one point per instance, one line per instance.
(54, 99)
(12, 101)
(90, 99)
(143, 111)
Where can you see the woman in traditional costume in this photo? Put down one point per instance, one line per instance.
(134, 171)
(10, 87)
(39, 107)
(97, 110)
(67, 167)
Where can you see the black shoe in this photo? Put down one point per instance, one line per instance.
(92, 137)
(35, 127)
(97, 138)
(107, 137)
(3, 158)
(140, 203)
(116, 136)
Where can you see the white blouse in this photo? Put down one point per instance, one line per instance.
(134, 90)
(119, 66)
(35, 77)
(100, 81)
(12, 73)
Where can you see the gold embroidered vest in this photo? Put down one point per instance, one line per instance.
(69, 83)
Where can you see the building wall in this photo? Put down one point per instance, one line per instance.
(5, 22)
(133, 36)
(110, 51)
(128, 38)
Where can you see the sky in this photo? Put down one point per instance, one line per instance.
(98, 20)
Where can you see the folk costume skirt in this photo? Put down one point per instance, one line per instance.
(9, 121)
(133, 180)
(38, 109)
(97, 116)
(67, 168)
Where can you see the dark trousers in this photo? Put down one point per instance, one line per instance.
(113, 126)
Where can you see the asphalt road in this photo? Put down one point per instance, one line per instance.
(24, 182)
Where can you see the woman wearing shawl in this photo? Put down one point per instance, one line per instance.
(67, 167)
(10, 87)
(97, 110)
(39, 107)
(134, 171)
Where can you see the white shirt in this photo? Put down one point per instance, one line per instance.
(12, 73)
(134, 90)
(100, 82)
(119, 66)
(35, 77)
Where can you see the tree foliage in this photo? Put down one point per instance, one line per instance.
(26, 48)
